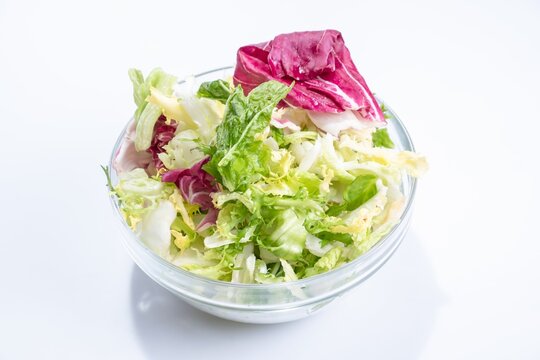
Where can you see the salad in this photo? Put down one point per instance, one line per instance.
(284, 171)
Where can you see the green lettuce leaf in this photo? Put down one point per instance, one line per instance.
(219, 90)
(139, 193)
(288, 271)
(244, 266)
(182, 151)
(278, 135)
(183, 234)
(216, 264)
(329, 261)
(155, 228)
(327, 236)
(147, 114)
(381, 138)
(283, 234)
(240, 158)
(262, 276)
(363, 188)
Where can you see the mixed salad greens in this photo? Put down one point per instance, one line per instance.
(283, 172)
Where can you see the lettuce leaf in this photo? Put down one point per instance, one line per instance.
(183, 234)
(283, 234)
(127, 157)
(240, 158)
(381, 138)
(155, 228)
(163, 133)
(147, 114)
(231, 221)
(363, 188)
(263, 276)
(327, 262)
(219, 90)
(194, 183)
(326, 79)
(196, 187)
(216, 264)
(182, 151)
(289, 274)
(138, 194)
(244, 266)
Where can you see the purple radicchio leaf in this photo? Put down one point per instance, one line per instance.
(196, 187)
(325, 77)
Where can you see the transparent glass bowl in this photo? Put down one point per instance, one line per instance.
(270, 303)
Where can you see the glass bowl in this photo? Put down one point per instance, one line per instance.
(268, 303)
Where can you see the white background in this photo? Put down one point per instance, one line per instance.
(463, 75)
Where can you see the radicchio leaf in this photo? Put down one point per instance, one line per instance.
(326, 79)
(163, 133)
(127, 157)
(196, 185)
(209, 220)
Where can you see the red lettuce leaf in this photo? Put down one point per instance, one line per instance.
(163, 133)
(326, 79)
(209, 219)
(127, 157)
(196, 185)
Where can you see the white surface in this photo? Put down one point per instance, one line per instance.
(462, 75)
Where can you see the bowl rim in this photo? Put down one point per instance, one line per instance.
(343, 269)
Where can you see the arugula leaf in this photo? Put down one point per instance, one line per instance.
(363, 188)
(219, 90)
(240, 158)
(381, 138)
